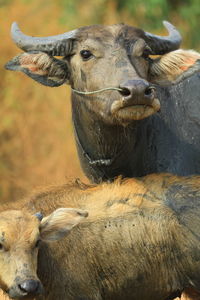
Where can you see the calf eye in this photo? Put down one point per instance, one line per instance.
(37, 243)
(85, 54)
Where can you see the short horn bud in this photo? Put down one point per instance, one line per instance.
(39, 215)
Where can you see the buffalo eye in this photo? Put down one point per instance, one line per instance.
(37, 243)
(85, 54)
(147, 51)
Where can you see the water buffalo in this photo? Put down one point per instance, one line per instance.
(116, 84)
(140, 241)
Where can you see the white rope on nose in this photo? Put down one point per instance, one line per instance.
(97, 91)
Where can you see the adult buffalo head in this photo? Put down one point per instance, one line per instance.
(113, 60)
(116, 84)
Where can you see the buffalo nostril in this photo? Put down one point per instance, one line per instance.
(125, 92)
(29, 286)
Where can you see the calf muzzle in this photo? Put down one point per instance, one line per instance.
(29, 286)
(26, 289)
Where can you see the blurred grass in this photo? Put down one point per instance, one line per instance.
(36, 136)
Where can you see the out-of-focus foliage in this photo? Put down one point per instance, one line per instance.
(190, 14)
(36, 136)
(147, 14)
(185, 14)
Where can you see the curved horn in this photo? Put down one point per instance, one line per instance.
(57, 45)
(164, 44)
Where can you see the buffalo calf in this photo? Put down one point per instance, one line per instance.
(140, 241)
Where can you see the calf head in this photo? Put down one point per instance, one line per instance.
(108, 67)
(20, 237)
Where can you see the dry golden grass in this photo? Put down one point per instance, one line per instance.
(36, 135)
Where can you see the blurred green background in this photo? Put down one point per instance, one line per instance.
(36, 136)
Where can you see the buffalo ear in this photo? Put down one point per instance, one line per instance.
(60, 222)
(41, 67)
(173, 65)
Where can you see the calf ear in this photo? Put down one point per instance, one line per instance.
(173, 65)
(41, 67)
(60, 222)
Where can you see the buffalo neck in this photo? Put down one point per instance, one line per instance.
(167, 141)
(102, 147)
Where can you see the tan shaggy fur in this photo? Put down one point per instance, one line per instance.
(171, 65)
(113, 208)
